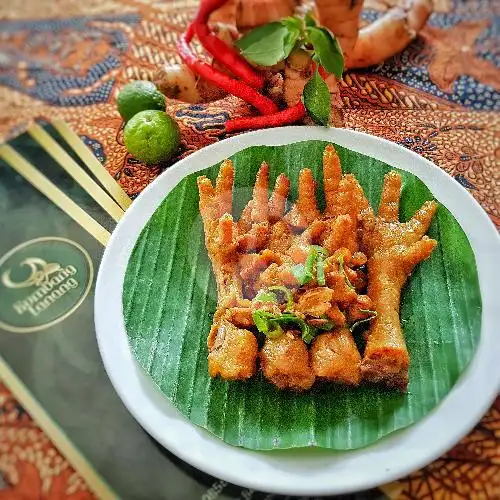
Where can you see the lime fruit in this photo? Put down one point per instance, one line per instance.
(138, 96)
(151, 136)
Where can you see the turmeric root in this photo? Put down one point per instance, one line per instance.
(375, 43)
(179, 82)
(390, 34)
(298, 70)
(247, 14)
(341, 17)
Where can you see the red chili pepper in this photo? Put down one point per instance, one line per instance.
(322, 71)
(285, 117)
(223, 81)
(206, 8)
(228, 56)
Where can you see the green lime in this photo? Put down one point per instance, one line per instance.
(151, 136)
(138, 96)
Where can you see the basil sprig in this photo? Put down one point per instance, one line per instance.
(272, 43)
(304, 273)
(271, 295)
(327, 51)
(271, 325)
(316, 99)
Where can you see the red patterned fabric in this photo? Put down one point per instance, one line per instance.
(440, 98)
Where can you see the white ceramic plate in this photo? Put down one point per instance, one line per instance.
(304, 471)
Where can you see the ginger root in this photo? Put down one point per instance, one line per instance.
(341, 17)
(379, 41)
(179, 82)
(248, 14)
(390, 34)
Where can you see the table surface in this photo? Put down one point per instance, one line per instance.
(440, 98)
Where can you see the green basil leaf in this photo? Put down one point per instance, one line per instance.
(267, 323)
(308, 332)
(261, 320)
(320, 270)
(316, 99)
(265, 45)
(265, 296)
(309, 20)
(320, 250)
(274, 330)
(310, 261)
(271, 324)
(291, 40)
(301, 274)
(292, 23)
(327, 49)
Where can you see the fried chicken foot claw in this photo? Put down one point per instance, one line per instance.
(332, 173)
(232, 351)
(277, 202)
(253, 223)
(393, 248)
(285, 362)
(335, 357)
(305, 210)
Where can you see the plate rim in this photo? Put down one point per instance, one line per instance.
(278, 480)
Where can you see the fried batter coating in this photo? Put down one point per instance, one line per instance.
(349, 198)
(305, 210)
(332, 173)
(232, 352)
(220, 230)
(344, 197)
(335, 357)
(361, 309)
(276, 275)
(256, 210)
(313, 235)
(277, 202)
(280, 238)
(254, 239)
(394, 248)
(285, 362)
(316, 301)
(215, 202)
(341, 233)
(253, 225)
(267, 245)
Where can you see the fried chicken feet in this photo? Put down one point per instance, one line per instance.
(393, 248)
(299, 277)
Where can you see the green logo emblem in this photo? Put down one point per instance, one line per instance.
(42, 282)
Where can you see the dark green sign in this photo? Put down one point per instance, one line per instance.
(42, 281)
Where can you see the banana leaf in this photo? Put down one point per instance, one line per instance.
(169, 298)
